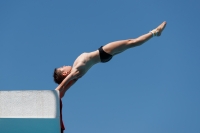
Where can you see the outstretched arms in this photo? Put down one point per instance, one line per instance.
(66, 87)
(68, 82)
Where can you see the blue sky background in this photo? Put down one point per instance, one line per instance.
(153, 88)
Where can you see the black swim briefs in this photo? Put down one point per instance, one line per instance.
(105, 57)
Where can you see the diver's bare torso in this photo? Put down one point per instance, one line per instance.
(84, 62)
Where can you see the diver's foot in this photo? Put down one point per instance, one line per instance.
(157, 31)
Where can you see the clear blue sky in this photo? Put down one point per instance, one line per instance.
(153, 88)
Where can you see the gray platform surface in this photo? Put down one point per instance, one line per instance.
(30, 111)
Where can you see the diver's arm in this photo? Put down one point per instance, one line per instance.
(68, 82)
(66, 87)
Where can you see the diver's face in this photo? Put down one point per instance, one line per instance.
(65, 70)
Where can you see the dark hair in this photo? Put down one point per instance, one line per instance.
(58, 78)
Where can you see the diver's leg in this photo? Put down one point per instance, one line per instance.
(120, 46)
